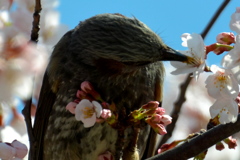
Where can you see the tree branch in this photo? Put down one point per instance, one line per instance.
(27, 109)
(200, 143)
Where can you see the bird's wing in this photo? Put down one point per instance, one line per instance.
(52, 79)
(46, 101)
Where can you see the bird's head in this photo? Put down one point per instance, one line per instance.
(116, 39)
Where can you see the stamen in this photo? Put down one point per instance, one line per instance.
(88, 112)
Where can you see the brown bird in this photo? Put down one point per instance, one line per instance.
(121, 57)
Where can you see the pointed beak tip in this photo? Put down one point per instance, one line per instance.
(173, 55)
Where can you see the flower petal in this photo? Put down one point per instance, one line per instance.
(21, 149)
(89, 122)
(6, 151)
(81, 106)
(71, 107)
(227, 110)
(98, 108)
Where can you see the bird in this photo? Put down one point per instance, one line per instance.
(122, 58)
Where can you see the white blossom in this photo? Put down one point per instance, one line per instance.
(196, 50)
(88, 112)
(227, 109)
(222, 83)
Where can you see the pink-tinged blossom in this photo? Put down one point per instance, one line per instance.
(235, 21)
(196, 50)
(222, 83)
(225, 38)
(19, 62)
(6, 151)
(226, 109)
(88, 112)
(21, 149)
(13, 150)
(106, 113)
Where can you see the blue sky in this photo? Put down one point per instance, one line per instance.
(168, 18)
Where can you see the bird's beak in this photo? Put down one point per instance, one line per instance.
(172, 55)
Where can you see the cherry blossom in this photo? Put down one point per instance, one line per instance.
(88, 112)
(19, 62)
(226, 109)
(196, 50)
(13, 150)
(6, 151)
(222, 83)
(51, 30)
(21, 149)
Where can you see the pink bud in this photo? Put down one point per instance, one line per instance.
(88, 89)
(166, 120)
(106, 113)
(157, 127)
(219, 146)
(160, 129)
(160, 110)
(82, 95)
(105, 156)
(231, 142)
(151, 105)
(71, 106)
(86, 86)
(156, 118)
(225, 38)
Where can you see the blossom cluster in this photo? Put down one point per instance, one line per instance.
(223, 83)
(22, 62)
(86, 107)
(154, 116)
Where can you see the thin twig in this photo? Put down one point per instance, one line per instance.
(36, 20)
(181, 99)
(27, 109)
